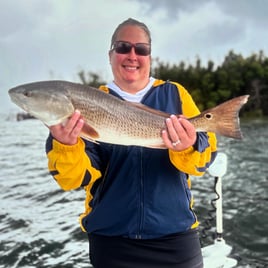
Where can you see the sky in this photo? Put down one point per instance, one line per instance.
(55, 39)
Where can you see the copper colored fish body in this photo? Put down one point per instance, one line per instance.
(111, 120)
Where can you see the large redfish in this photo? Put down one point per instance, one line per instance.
(109, 119)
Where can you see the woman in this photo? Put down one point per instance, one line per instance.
(138, 200)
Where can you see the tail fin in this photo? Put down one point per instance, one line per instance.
(222, 119)
(228, 123)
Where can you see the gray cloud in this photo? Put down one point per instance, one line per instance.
(246, 11)
(243, 10)
(21, 16)
(206, 27)
(173, 8)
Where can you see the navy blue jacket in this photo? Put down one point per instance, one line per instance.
(133, 191)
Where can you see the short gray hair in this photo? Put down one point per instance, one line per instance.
(131, 22)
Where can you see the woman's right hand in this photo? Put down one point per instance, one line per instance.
(68, 133)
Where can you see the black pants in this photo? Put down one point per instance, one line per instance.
(173, 251)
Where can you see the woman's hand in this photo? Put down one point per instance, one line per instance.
(180, 134)
(68, 133)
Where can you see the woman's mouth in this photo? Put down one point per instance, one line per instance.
(130, 68)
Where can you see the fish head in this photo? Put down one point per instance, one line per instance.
(45, 102)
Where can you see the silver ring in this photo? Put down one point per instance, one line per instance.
(176, 143)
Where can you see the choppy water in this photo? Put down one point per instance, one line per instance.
(39, 222)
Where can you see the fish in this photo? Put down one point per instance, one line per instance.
(112, 120)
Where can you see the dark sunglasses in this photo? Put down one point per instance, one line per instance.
(123, 47)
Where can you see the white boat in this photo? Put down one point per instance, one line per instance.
(217, 255)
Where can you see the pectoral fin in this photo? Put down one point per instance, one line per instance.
(89, 133)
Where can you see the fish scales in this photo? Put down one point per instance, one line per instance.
(125, 122)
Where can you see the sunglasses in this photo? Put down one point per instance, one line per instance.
(123, 47)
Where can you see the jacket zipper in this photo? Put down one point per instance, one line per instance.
(141, 198)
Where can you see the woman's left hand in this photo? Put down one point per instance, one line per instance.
(180, 133)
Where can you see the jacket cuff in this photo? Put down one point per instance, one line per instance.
(60, 147)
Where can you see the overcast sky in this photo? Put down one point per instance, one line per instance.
(55, 39)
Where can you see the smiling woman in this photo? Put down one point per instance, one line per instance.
(138, 200)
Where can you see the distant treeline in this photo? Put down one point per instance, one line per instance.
(210, 85)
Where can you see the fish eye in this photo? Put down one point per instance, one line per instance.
(208, 116)
(27, 93)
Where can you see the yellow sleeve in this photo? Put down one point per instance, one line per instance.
(193, 162)
(71, 166)
(197, 158)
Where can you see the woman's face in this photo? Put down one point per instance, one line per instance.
(130, 70)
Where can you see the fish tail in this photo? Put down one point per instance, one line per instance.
(222, 119)
(228, 123)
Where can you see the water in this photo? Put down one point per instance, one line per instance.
(39, 222)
